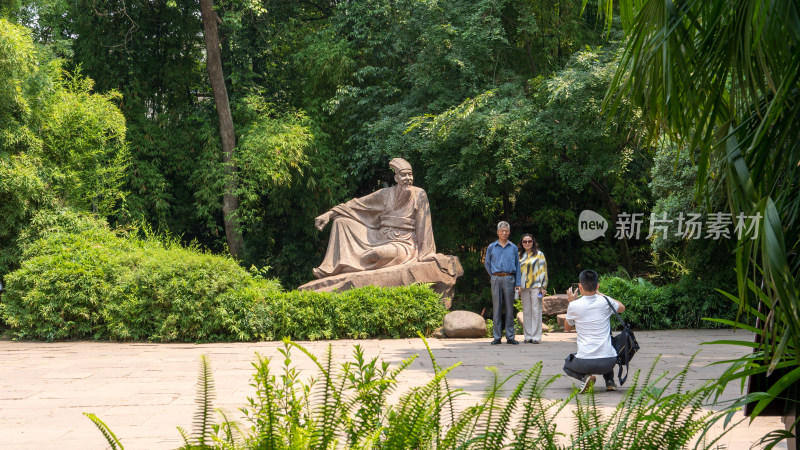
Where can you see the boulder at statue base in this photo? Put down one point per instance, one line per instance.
(464, 324)
(441, 273)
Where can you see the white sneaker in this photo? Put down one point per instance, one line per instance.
(586, 383)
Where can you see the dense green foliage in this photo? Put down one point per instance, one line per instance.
(474, 94)
(346, 406)
(88, 283)
(680, 305)
(60, 143)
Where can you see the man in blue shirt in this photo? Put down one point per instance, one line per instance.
(502, 264)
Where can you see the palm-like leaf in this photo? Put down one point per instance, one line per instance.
(723, 79)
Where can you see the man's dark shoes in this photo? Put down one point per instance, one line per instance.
(496, 341)
(512, 341)
(586, 383)
(610, 385)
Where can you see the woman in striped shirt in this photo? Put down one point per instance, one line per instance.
(533, 268)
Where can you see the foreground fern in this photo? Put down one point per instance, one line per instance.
(346, 406)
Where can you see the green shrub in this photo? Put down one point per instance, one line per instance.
(681, 305)
(356, 313)
(61, 142)
(95, 284)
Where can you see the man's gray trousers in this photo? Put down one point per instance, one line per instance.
(577, 367)
(503, 296)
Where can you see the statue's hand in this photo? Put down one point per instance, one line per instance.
(322, 220)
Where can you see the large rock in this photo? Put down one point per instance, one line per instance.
(464, 324)
(562, 318)
(555, 304)
(442, 273)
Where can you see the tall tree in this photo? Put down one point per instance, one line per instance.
(230, 200)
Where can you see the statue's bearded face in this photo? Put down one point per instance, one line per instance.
(404, 178)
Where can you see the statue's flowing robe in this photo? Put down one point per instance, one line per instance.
(395, 225)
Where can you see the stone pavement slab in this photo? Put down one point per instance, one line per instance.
(143, 391)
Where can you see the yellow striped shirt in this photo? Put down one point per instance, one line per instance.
(534, 270)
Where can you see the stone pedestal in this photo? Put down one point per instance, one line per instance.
(443, 279)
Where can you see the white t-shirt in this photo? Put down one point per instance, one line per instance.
(590, 316)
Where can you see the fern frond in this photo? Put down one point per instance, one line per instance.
(230, 429)
(461, 429)
(369, 405)
(330, 398)
(501, 427)
(263, 413)
(185, 437)
(652, 413)
(409, 426)
(107, 433)
(538, 428)
(589, 426)
(443, 397)
(205, 398)
(496, 413)
(367, 441)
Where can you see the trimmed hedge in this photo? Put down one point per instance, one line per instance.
(357, 313)
(681, 305)
(93, 284)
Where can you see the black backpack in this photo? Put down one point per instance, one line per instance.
(625, 345)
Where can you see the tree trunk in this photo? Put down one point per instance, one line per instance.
(531, 61)
(230, 201)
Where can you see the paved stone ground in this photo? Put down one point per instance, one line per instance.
(143, 391)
